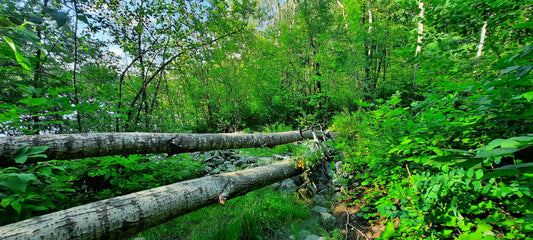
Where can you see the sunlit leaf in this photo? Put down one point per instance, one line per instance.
(496, 152)
(23, 61)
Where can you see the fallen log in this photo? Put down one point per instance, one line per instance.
(75, 146)
(126, 215)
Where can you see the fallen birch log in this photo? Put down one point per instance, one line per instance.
(75, 146)
(126, 215)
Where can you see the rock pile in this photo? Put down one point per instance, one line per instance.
(221, 161)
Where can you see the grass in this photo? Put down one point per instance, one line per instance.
(261, 214)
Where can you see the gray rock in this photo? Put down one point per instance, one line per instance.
(320, 201)
(288, 186)
(217, 160)
(327, 220)
(303, 234)
(231, 168)
(239, 162)
(275, 186)
(320, 209)
(298, 180)
(314, 237)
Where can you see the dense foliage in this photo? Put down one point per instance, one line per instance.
(432, 99)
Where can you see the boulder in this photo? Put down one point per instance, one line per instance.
(320, 201)
(314, 237)
(320, 209)
(327, 220)
(288, 185)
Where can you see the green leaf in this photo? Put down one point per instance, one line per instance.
(37, 150)
(493, 144)
(509, 143)
(14, 184)
(6, 23)
(523, 70)
(61, 18)
(16, 205)
(496, 152)
(26, 177)
(23, 61)
(21, 159)
(479, 174)
(514, 166)
(509, 69)
(524, 25)
(502, 173)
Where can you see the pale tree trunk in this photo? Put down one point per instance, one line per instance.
(370, 29)
(343, 14)
(75, 146)
(482, 39)
(123, 216)
(419, 40)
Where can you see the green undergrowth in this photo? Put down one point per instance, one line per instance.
(260, 214)
(456, 164)
(35, 189)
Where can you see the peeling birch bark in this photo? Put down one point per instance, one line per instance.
(123, 216)
(75, 146)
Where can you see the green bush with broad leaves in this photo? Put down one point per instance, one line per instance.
(457, 164)
(36, 189)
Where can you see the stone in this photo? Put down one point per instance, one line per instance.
(303, 234)
(327, 220)
(217, 160)
(314, 237)
(288, 186)
(298, 180)
(231, 168)
(319, 209)
(320, 201)
(239, 162)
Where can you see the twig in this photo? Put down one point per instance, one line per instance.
(364, 235)
(410, 177)
(347, 222)
(353, 227)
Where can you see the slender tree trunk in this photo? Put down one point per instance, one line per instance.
(123, 216)
(75, 146)
(482, 39)
(419, 40)
(343, 14)
(74, 71)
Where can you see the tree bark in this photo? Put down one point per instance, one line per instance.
(482, 39)
(419, 41)
(75, 146)
(126, 215)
